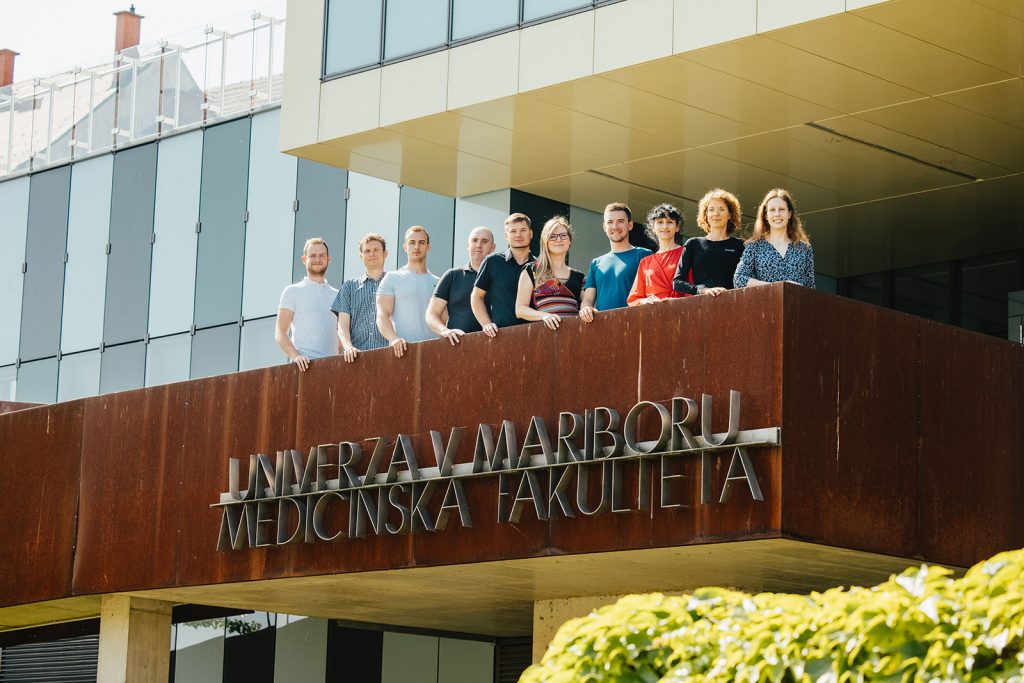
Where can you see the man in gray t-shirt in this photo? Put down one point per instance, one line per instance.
(404, 294)
(306, 328)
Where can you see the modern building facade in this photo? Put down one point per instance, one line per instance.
(140, 271)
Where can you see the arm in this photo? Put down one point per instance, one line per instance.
(437, 319)
(385, 308)
(479, 306)
(587, 309)
(680, 281)
(348, 349)
(523, 309)
(745, 268)
(809, 269)
(284, 321)
(638, 292)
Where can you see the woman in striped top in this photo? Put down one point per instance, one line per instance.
(548, 288)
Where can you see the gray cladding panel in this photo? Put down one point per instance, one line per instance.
(128, 265)
(321, 194)
(222, 202)
(436, 213)
(215, 351)
(123, 367)
(49, 194)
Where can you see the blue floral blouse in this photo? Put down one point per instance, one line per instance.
(761, 261)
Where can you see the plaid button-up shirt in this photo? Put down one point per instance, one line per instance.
(358, 298)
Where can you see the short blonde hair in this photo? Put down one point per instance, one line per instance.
(315, 240)
(417, 228)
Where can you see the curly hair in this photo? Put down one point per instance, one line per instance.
(668, 211)
(733, 204)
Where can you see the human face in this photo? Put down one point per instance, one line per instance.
(617, 226)
(316, 259)
(777, 213)
(480, 245)
(416, 246)
(518, 234)
(372, 255)
(665, 228)
(717, 215)
(559, 240)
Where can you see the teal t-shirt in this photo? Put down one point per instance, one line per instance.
(612, 276)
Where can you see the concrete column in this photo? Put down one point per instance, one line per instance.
(135, 640)
(549, 615)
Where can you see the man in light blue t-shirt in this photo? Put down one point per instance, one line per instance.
(611, 275)
(306, 328)
(404, 295)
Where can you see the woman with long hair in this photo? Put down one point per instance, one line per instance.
(708, 263)
(779, 250)
(549, 289)
(653, 281)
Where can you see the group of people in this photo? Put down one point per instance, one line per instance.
(495, 290)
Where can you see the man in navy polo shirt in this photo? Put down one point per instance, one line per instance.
(451, 300)
(499, 278)
(611, 275)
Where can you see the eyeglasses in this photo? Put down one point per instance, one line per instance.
(558, 237)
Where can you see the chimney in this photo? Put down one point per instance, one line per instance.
(128, 26)
(7, 66)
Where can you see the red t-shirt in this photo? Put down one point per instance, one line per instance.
(654, 276)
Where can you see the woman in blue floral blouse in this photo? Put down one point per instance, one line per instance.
(779, 249)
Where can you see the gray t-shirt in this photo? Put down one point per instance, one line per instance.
(314, 329)
(412, 292)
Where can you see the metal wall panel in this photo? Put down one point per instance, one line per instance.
(167, 359)
(215, 351)
(123, 367)
(172, 292)
(269, 232)
(259, 350)
(44, 255)
(320, 192)
(13, 231)
(37, 381)
(131, 227)
(79, 375)
(436, 213)
(222, 214)
(86, 273)
(372, 207)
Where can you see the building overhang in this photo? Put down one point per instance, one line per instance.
(885, 120)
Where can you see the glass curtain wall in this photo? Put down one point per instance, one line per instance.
(361, 34)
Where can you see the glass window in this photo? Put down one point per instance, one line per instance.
(464, 661)
(172, 292)
(79, 376)
(984, 285)
(436, 213)
(222, 213)
(477, 17)
(409, 658)
(414, 25)
(85, 275)
(372, 207)
(300, 652)
(167, 359)
(199, 651)
(8, 382)
(147, 80)
(825, 283)
(131, 225)
(123, 367)
(489, 209)
(249, 645)
(537, 9)
(270, 230)
(870, 289)
(353, 34)
(259, 350)
(321, 195)
(215, 351)
(13, 230)
(590, 240)
(44, 253)
(924, 291)
(37, 381)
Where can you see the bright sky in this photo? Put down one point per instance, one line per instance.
(55, 35)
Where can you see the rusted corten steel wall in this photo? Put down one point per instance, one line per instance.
(899, 436)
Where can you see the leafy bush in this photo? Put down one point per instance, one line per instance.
(921, 625)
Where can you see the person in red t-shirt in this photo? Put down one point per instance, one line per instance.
(653, 281)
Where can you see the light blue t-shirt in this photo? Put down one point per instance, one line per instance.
(412, 292)
(612, 275)
(314, 330)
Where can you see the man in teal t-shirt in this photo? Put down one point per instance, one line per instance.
(611, 275)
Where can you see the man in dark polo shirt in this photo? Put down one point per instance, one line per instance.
(494, 296)
(455, 288)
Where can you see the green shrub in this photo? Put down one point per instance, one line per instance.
(922, 625)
